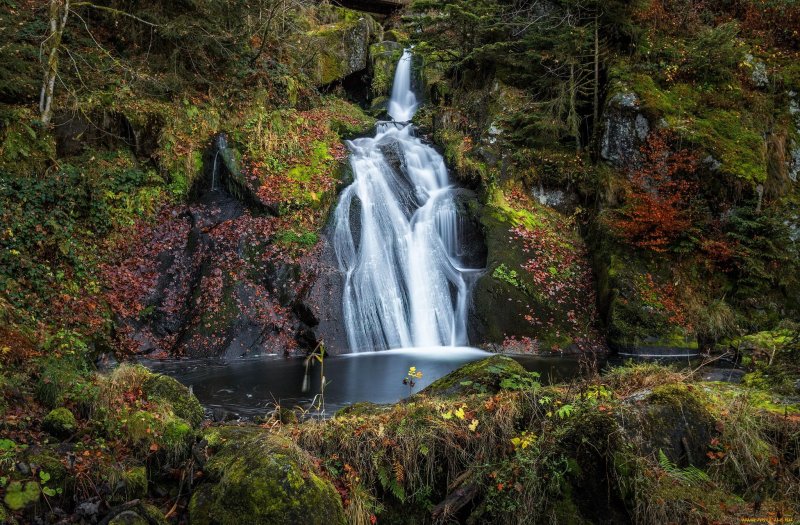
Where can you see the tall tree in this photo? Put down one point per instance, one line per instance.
(58, 15)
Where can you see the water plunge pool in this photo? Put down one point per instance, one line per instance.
(253, 386)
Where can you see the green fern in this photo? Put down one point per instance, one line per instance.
(690, 475)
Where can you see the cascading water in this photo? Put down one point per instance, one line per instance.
(397, 236)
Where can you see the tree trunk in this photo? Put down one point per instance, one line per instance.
(59, 12)
(596, 108)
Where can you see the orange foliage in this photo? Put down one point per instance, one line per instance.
(658, 203)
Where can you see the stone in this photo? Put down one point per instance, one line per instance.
(485, 376)
(262, 477)
(184, 404)
(60, 423)
(626, 128)
(673, 419)
(342, 45)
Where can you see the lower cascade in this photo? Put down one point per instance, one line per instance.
(398, 238)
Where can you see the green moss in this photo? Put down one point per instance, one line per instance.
(264, 477)
(19, 496)
(135, 480)
(481, 377)
(674, 418)
(165, 389)
(60, 423)
(48, 461)
(725, 121)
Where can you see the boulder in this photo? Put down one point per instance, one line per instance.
(383, 58)
(162, 388)
(264, 478)
(486, 376)
(625, 129)
(60, 423)
(672, 419)
(551, 307)
(342, 45)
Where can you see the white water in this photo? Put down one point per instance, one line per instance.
(397, 238)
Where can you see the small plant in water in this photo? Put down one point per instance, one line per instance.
(317, 355)
(412, 374)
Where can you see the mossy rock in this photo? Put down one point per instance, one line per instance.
(673, 418)
(138, 514)
(262, 477)
(60, 423)
(485, 376)
(184, 405)
(341, 48)
(135, 480)
(46, 460)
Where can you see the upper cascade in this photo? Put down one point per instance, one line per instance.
(398, 237)
(403, 103)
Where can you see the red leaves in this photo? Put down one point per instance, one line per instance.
(559, 268)
(658, 205)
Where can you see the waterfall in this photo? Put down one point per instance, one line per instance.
(396, 237)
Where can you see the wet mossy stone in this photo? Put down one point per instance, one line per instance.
(262, 477)
(135, 514)
(60, 423)
(486, 376)
(184, 405)
(674, 419)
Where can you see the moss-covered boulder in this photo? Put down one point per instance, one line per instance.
(47, 460)
(161, 388)
(262, 477)
(341, 43)
(672, 419)
(60, 423)
(481, 377)
(138, 513)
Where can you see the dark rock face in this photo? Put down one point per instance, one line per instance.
(76, 132)
(626, 129)
(221, 282)
(324, 304)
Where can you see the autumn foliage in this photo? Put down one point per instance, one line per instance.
(658, 207)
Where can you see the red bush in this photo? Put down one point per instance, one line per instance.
(658, 203)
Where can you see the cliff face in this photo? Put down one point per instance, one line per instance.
(675, 157)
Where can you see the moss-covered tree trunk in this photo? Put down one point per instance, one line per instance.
(58, 14)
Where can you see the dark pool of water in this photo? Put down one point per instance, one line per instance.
(251, 387)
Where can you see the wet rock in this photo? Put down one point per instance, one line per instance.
(727, 375)
(383, 58)
(325, 301)
(264, 477)
(88, 509)
(626, 130)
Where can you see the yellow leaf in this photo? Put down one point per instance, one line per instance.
(448, 415)
(473, 425)
(460, 413)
